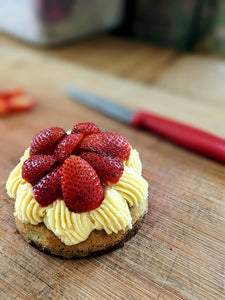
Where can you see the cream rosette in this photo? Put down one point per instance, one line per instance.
(72, 228)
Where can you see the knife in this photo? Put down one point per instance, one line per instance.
(189, 137)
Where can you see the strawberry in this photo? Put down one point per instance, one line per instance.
(85, 128)
(20, 103)
(108, 169)
(66, 145)
(4, 107)
(36, 166)
(78, 151)
(11, 93)
(77, 178)
(14, 101)
(44, 141)
(48, 189)
(81, 187)
(110, 143)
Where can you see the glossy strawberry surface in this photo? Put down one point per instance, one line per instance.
(36, 166)
(85, 128)
(109, 169)
(44, 141)
(110, 143)
(76, 166)
(81, 186)
(48, 188)
(66, 145)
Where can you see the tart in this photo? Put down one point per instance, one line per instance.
(78, 193)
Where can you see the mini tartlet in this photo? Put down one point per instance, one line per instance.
(78, 193)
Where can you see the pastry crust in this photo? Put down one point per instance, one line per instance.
(97, 243)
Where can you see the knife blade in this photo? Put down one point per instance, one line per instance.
(187, 136)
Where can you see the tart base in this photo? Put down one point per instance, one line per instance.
(97, 243)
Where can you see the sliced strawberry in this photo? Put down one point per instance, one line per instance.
(4, 107)
(48, 189)
(44, 141)
(66, 145)
(81, 187)
(78, 151)
(15, 101)
(20, 103)
(109, 143)
(85, 128)
(36, 166)
(108, 169)
(11, 93)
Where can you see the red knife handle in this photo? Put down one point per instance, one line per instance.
(184, 135)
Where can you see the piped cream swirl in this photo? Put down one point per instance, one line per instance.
(113, 214)
(27, 208)
(72, 228)
(15, 178)
(132, 187)
(134, 162)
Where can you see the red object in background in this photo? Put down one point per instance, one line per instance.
(13, 101)
(54, 10)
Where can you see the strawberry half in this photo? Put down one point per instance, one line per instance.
(108, 169)
(48, 189)
(21, 103)
(66, 145)
(11, 93)
(85, 128)
(81, 187)
(15, 101)
(44, 141)
(110, 143)
(36, 166)
(4, 107)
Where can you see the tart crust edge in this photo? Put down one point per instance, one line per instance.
(98, 242)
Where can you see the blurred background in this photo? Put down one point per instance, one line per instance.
(193, 25)
(197, 25)
(171, 51)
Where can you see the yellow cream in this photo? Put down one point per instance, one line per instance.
(72, 228)
(113, 214)
(26, 207)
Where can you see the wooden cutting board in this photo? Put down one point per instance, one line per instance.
(179, 253)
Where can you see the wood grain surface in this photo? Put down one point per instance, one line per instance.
(179, 253)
